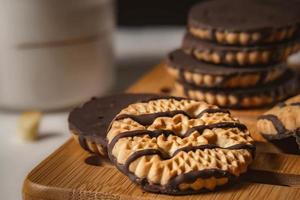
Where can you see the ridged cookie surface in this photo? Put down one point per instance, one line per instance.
(179, 146)
(282, 121)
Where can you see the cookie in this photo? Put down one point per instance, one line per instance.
(245, 22)
(188, 69)
(239, 56)
(282, 122)
(259, 96)
(179, 146)
(89, 122)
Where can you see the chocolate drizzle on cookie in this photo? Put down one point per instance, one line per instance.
(212, 110)
(278, 125)
(212, 146)
(276, 122)
(148, 119)
(200, 129)
(286, 137)
(172, 185)
(224, 125)
(283, 104)
(92, 119)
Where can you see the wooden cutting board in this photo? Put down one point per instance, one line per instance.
(72, 174)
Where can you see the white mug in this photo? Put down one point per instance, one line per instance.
(54, 53)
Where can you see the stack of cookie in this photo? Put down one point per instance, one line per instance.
(234, 52)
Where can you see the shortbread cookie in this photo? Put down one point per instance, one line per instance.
(245, 22)
(186, 68)
(282, 121)
(239, 56)
(179, 146)
(89, 122)
(259, 96)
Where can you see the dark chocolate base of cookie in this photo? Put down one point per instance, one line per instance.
(84, 144)
(91, 120)
(284, 87)
(183, 62)
(178, 59)
(289, 78)
(287, 143)
(192, 42)
(240, 56)
(172, 186)
(171, 190)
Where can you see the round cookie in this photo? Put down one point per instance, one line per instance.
(239, 56)
(258, 96)
(245, 22)
(188, 69)
(179, 146)
(282, 123)
(89, 122)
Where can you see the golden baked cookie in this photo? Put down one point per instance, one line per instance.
(179, 146)
(241, 98)
(238, 56)
(188, 69)
(282, 121)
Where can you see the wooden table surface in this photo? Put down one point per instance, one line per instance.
(71, 173)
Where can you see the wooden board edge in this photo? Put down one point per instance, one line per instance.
(32, 190)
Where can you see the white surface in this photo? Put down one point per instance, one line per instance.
(18, 158)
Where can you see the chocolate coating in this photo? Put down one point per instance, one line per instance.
(280, 128)
(244, 15)
(192, 42)
(288, 83)
(286, 140)
(268, 94)
(172, 186)
(92, 119)
(182, 61)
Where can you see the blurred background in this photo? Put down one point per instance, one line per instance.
(55, 54)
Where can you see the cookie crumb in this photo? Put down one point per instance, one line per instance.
(165, 90)
(28, 125)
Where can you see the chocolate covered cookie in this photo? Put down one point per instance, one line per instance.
(89, 122)
(239, 56)
(258, 96)
(179, 146)
(245, 22)
(188, 69)
(282, 124)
